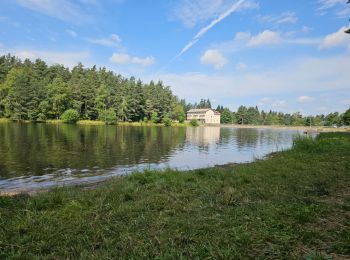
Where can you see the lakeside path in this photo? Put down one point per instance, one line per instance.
(293, 205)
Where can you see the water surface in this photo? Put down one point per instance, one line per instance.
(43, 155)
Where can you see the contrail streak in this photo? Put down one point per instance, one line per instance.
(204, 30)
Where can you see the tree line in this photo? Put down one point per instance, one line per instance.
(36, 91)
(253, 116)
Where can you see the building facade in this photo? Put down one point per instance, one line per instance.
(206, 116)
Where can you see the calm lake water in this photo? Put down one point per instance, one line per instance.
(42, 155)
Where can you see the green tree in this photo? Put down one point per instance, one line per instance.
(194, 122)
(108, 116)
(181, 116)
(155, 118)
(333, 119)
(167, 121)
(58, 97)
(346, 117)
(21, 100)
(70, 116)
(242, 115)
(226, 116)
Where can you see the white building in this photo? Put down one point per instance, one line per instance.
(207, 115)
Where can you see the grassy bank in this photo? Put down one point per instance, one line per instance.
(150, 124)
(96, 122)
(296, 204)
(4, 120)
(177, 124)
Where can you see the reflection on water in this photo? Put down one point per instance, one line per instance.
(202, 136)
(41, 155)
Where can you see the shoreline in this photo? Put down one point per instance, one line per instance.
(187, 124)
(97, 183)
(301, 128)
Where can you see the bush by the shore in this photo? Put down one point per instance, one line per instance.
(70, 116)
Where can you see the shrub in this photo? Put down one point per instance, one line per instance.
(167, 121)
(70, 116)
(324, 142)
(41, 117)
(182, 117)
(194, 122)
(155, 118)
(108, 116)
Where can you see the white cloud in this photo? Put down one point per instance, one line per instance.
(265, 38)
(241, 66)
(288, 17)
(246, 39)
(305, 75)
(326, 4)
(64, 10)
(2, 46)
(267, 102)
(305, 99)
(193, 12)
(264, 101)
(120, 58)
(144, 61)
(233, 8)
(339, 7)
(346, 102)
(123, 58)
(283, 18)
(302, 41)
(278, 104)
(90, 2)
(112, 41)
(242, 36)
(337, 39)
(72, 33)
(69, 59)
(306, 29)
(214, 58)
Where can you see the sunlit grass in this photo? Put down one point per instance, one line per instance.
(4, 120)
(90, 122)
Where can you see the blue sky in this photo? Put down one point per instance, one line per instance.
(282, 55)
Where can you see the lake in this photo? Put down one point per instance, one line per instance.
(42, 155)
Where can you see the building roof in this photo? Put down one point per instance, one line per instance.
(202, 110)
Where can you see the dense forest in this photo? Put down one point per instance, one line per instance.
(36, 91)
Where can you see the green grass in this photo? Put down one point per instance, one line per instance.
(296, 204)
(96, 122)
(150, 124)
(4, 120)
(90, 122)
